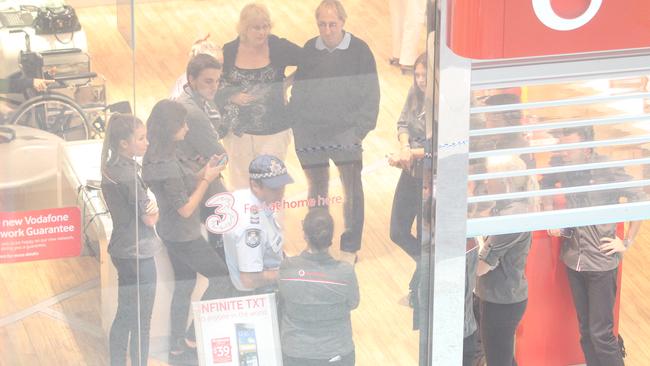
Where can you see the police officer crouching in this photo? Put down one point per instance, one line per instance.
(253, 248)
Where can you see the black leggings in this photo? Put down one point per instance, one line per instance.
(135, 297)
(498, 325)
(407, 207)
(189, 259)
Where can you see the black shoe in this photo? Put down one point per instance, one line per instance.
(182, 354)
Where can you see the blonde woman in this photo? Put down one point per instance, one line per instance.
(502, 287)
(252, 93)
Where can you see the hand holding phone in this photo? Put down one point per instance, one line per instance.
(217, 160)
(214, 167)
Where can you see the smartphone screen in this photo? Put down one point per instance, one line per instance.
(247, 345)
(222, 161)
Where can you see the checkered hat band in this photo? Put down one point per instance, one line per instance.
(268, 174)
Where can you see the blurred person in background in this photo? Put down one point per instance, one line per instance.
(407, 19)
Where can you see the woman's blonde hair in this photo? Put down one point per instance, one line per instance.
(249, 14)
(522, 183)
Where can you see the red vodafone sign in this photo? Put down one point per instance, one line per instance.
(491, 29)
(43, 234)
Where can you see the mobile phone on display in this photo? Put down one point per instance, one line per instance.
(247, 344)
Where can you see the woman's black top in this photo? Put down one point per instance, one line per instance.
(173, 183)
(267, 114)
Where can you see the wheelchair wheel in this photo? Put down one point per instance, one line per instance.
(53, 113)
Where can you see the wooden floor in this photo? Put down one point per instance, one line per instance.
(69, 331)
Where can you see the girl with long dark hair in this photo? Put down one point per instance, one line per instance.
(180, 190)
(407, 202)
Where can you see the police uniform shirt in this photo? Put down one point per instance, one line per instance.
(255, 243)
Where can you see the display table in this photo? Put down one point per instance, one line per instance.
(28, 172)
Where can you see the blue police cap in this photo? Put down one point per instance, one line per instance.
(270, 170)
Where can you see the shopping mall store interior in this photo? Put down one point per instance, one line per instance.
(58, 309)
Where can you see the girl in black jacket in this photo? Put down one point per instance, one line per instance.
(133, 242)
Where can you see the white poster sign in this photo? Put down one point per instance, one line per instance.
(238, 331)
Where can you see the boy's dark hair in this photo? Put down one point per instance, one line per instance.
(201, 62)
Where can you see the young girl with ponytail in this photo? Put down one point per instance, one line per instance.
(133, 242)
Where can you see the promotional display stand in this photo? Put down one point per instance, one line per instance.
(238, 331)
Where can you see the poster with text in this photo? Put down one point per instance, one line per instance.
(238, 331)
(36, 235)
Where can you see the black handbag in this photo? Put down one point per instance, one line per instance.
(56, 20)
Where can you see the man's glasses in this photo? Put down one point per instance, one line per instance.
(331, 25)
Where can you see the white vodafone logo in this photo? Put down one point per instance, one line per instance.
(549, 18)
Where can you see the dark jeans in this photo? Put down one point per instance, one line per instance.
(347, 360)
(353, 210)
(594, 294)
(135, 297)
(189, 259)
(407, 207)
(498, 325)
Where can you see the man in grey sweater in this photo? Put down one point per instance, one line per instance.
(334, 104)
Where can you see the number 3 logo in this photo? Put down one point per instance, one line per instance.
(225, 217)
(547, 15)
